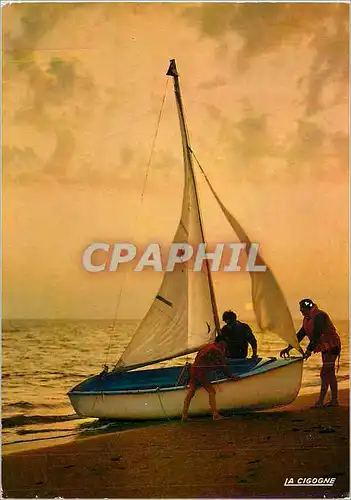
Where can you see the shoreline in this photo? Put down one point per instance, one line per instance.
(50, 441)
(247, 455)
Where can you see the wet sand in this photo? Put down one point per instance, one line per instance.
(248, 455)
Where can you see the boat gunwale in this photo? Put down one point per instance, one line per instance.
(252, 373)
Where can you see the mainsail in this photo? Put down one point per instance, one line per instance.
(176, 322)
(269, 304)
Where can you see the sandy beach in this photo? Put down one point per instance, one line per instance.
(248, 455)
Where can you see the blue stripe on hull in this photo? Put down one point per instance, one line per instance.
(166, 378)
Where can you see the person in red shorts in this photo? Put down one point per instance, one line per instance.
(210, 357)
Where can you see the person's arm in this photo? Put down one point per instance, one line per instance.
(301, 334)
(224, 331)
(252, 341)
(221, 362)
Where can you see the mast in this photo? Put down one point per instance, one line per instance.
(172, 71)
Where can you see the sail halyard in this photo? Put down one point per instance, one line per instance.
(172, 71)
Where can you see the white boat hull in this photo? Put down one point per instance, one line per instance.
(259, 389)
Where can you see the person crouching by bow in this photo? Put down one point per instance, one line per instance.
(323, 338)
(208, 358)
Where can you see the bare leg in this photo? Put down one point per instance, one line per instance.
(334, 388)
(212, 400)
(324, 380)
(328, 378)
(188, 398)
(330, 367)
(324, 389)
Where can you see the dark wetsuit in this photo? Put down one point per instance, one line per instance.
(238, 337)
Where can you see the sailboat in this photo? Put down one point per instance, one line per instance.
(182, 318)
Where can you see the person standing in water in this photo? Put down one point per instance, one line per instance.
(207, 359)
(318, 327)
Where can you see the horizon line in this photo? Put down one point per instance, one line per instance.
(106, 318)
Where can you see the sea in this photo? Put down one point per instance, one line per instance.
(43, 359)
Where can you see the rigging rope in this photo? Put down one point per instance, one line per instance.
(113, 329)
(158, 389)
(198, 163)
(154, 141)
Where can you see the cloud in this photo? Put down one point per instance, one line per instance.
(59, 92)
(268, 27)
(307, 148)
(18, 161)
(309, 152)
(331, 61)
(126, 155)
(341, 143)
(59, 162)
(25, 26)
(317, 33)
(213, 84)
(246, 143)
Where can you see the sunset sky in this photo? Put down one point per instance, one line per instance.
(265, 89)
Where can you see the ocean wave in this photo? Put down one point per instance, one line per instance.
(24, 432)
(316, 382)
(61, 374)
(26, 405)
(84, 429)
(47, 374)
(62, 404)
(21, 404)
(21, 420)
(18, 441)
